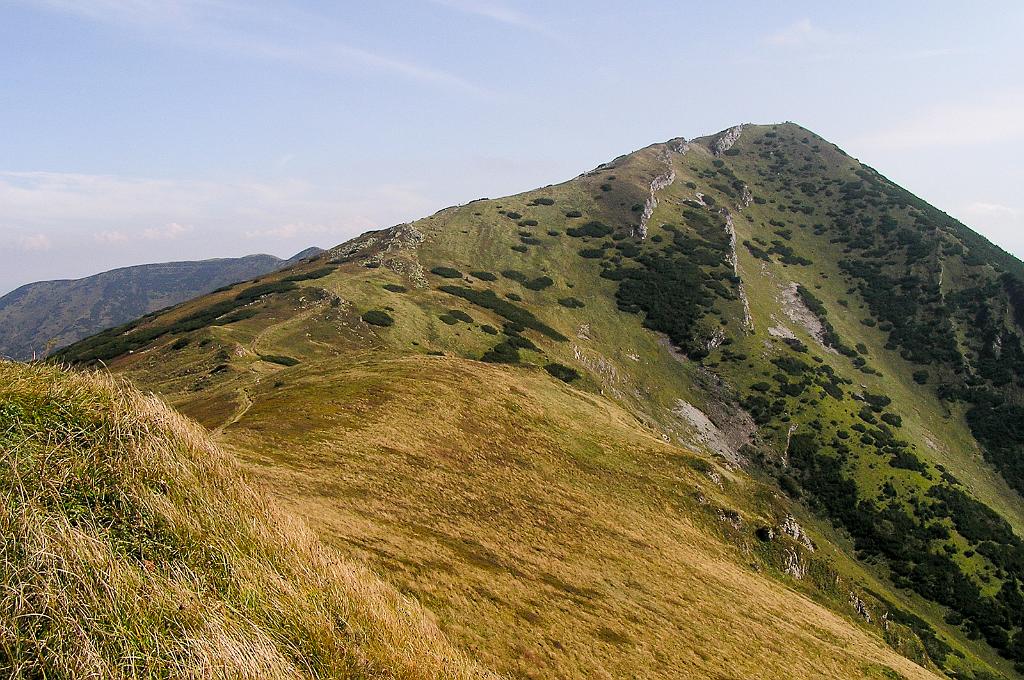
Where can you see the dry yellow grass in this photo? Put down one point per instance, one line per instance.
(552, 536)
(132, 548)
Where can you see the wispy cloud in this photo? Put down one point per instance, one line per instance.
(254, 30)
(290, 231)
(168, 232)
(804, 33)
(496, 12)
(996, 118)
(35, 242)
(996, 210)
(110, 209)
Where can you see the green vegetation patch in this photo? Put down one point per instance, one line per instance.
(377, 317)
(593, 229)
(279, 359)
(562, 372)
(307, 276)
(489, 300)
(446, 272)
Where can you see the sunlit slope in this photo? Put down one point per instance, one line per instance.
(133, 549)
(549, 532)
(756, 297)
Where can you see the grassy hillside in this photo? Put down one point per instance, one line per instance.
(41, 317)
(754, 317)
(133, 549)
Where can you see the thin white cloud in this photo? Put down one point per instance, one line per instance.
(803, 33)
(168, 232)
(110, 236)
(250, 30)
(291, 231)
(35, 242)
(1003, 224)
(996, 119)
(108, 209)
(996, 210)
(495, 12)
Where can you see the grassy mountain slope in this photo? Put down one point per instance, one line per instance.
(831, 348)
(133, 549)
(40, 317)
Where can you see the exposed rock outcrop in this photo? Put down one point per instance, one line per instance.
(860, 607)
(724, 141)
(733, 260)
(662, 181)
(792, 528)
(793, 564)
(798, 312)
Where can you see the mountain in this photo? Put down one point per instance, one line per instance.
(119, 508)
(736, 406)
(38, 318)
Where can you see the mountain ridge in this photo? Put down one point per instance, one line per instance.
(44, 316)
(819, 337)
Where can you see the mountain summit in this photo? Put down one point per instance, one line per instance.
(731, 406)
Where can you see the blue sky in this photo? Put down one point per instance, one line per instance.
(138, 131)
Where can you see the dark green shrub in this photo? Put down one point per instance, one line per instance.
(539, 283)
(528, 223)
(180, 343)
(488, 300)
(502, 353)
(307, 276)
(253, 292)
(573, 214)
(515, 297)
(543, 201)
(490, 330)
(394, 288)
(513, 215)
(592, 253)
(448, 319)
(279, 359)
(562, 372)
(515, 275)
(593, 228)
(484, 276)
(520, 248)
(446, 272)
(460, 315)
(233, 317)
(376, 317)
(571, 303)
(892, 419)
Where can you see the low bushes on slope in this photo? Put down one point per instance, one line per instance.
(132, 548)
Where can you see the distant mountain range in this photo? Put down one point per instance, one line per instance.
(41, 317)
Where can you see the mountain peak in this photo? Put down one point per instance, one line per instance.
(748, 333)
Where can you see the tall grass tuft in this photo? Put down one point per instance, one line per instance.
(133, 548)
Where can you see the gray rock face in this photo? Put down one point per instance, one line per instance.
(792, 528)
(663, 181)
(725, 141)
